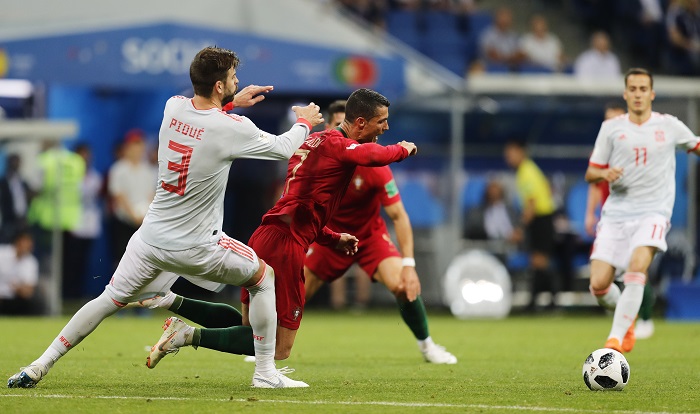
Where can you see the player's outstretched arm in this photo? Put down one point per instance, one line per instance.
(375, 155)
(250, 95)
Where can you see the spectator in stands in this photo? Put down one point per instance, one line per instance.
(15, 196)
(131, 186)
(642, 22)
(537, 219)
(19, 275)
(494, 219)
(683, 26)
(372, 11)
(598, 62)
(499, 44)
(77, 244)
(541, 48)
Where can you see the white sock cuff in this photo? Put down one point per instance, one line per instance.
(634, 278)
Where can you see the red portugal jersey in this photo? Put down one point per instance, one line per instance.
(317, 178)
(359, 211)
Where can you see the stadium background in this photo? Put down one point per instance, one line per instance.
(108, 69)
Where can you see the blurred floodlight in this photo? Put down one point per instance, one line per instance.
(15, 88)
(477, 285)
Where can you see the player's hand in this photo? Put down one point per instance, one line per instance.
(347, 244)
(410, 147)
(612, 174)
(589, 223)
(250, 95)
(310, 112)
(409, 286)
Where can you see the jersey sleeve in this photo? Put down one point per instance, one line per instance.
(328, 238)
(603, 147)
(251, 142)
(684, 137)
(369, 154)
(387, 189)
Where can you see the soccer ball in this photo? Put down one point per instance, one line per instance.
(606, 369)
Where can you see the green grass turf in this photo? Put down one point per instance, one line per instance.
(362, 364)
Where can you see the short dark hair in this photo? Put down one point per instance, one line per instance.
(364, 103)
(335, 107)
(616, 105)
(518, 143)
(21, 233)
(210, 65)
(639, 71)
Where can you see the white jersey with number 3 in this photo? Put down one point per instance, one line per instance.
(647, 156)
(195, 150)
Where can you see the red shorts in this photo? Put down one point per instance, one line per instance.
(277, 247)
(330, 264)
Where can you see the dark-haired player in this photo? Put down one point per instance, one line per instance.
(181, 233)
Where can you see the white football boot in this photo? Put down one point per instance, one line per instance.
(437, 354)
(175, 335)
(644, 329)
(277, 380)
(28, 376)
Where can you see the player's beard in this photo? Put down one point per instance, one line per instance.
(227, 98)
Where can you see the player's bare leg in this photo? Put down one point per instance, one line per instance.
(601, 284)
(312, 283)
(412, 312)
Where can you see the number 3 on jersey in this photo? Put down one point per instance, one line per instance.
(180, 169)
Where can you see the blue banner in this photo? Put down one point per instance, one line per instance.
(160, 55)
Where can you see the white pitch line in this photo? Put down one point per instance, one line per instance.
(357, 403)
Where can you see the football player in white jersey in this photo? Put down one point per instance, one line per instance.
(635, 153)
(181, 233)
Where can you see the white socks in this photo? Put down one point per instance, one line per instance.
(263, 320)
(628, 304)
(607, 298)
(85, 320)
(424, 344)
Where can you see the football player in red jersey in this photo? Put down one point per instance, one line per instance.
(359, 214)
(317, 177)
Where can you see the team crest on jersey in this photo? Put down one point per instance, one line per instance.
(358, 182)
(296, 313)
(622, 137)
(660, 136)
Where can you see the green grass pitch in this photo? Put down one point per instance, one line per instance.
(359, 364)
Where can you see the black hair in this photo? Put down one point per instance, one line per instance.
(639, 71)
(209, 66)
(364, 103)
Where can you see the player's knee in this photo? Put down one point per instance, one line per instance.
(599, 284)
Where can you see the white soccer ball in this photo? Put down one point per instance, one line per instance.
(606, 370)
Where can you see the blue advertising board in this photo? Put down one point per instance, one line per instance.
(159, 55)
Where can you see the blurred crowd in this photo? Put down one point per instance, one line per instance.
(661, 35)
(68, 192)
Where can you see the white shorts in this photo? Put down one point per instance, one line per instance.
(145, 271)
(615, 241)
